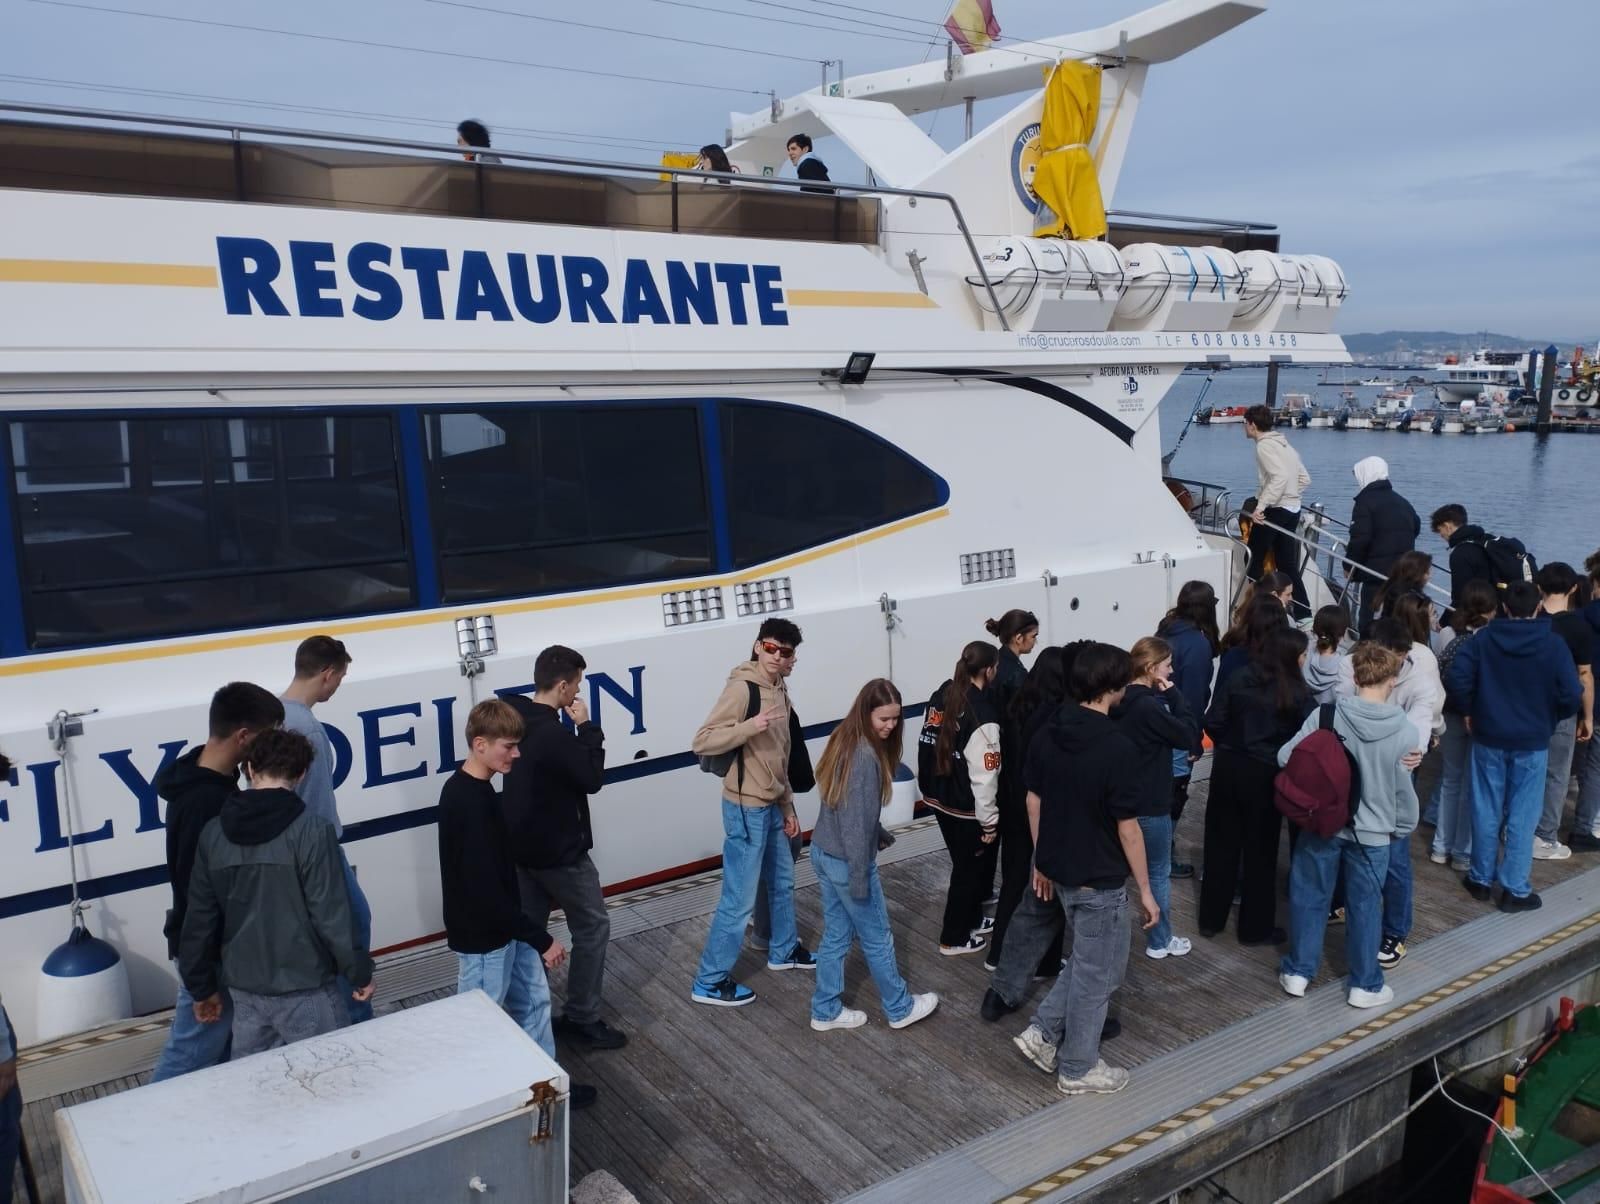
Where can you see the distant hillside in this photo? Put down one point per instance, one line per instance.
(1390, 341)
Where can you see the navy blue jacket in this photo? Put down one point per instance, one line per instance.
(1515, 679)
(1191, 668)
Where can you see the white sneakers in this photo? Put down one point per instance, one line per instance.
(1294, 984)
(1101, 1080)
(1549, 850)
(1031, 1041)
(1370, 999)
(1438, 856)
(1178, 946)
(973, 944)
(847, 1018)
(921, 1008)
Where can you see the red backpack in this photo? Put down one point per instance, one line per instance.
(1320, 786)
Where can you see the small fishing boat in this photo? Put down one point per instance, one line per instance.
(1553, 1120)
(1222, 415)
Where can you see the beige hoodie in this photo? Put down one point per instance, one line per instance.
(766, 754)
(1281, 475)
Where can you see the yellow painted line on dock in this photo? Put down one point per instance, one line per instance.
(1375, 1024)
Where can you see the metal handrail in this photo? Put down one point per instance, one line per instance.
(1316, 547)
(235, 129)
(1217, 223)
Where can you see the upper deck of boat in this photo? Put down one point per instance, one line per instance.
(374, 175)
(712, 1104)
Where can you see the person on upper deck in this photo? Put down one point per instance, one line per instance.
(195, 786)
(1514, 682)
(473, 136)
(545, 798)
(320, 665)
(1282, 480)
(1382, 526)
(806, 165)
(714, 158)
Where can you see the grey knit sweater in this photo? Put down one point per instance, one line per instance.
(851, 830)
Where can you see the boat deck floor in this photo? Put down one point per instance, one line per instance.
(749, 1103)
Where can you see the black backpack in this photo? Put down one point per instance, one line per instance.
(1508, 560)
(801, 776)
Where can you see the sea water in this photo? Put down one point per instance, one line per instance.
(1545, 490)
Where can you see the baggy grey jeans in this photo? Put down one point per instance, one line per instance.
(1074, 1011)
(1557, 777)
(263, 1022)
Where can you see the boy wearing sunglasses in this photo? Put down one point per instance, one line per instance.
(758, 818)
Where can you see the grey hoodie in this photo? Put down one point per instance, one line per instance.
(1322, 674)
(1377, 734)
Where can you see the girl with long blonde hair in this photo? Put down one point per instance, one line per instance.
(855, 778)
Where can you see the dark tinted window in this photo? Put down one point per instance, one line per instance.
(797, 478)
(531, 499)
(135, 527)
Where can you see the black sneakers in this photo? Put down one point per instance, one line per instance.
(1391, 952)
(1477, 890)
(596, 1034)
(994, 1006)
(582, 1096)
(800, 959)
(1528, 902)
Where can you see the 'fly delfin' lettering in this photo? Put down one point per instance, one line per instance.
(378, 282)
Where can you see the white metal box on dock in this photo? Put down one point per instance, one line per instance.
(447, 1101)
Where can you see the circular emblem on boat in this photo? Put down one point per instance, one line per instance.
(1024, 162)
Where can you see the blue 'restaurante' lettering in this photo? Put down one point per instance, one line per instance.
(377, 282)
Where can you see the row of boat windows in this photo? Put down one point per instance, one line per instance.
(132, 526)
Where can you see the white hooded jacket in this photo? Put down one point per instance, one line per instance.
(1281, 476)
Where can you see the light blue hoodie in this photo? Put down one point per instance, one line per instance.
(1377, 734)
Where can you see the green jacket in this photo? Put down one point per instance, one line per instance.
(268, 910)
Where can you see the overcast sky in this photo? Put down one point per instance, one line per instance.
(1443, 151)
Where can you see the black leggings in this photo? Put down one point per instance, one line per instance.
(1241, 819)
(1016, 878)
(970, 868)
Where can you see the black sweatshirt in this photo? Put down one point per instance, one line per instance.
(1158, 724)
(482, 905)
(194, 797)
(545, 798)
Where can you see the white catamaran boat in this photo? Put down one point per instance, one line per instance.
(261, 383)
(1483, 369)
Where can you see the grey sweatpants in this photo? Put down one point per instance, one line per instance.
(263, 1022)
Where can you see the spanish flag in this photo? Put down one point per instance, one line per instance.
(971, 25)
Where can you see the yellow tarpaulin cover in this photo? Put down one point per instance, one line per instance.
(678, 159)
(1066, 181)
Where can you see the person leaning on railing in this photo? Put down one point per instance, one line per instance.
(1282, 480)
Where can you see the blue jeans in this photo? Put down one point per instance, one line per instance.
(753, 844)
(512, 976)
(1073, 1013)
(867, 920)
(1587, 763)
(1557, 777)
(1317, 864)
(1507, 792)
(1397, 890)
(191, 1045)
(1157, 831)
(361, 916)
(1453, 835)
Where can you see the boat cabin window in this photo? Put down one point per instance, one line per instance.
(137, 527)
(532, 499)
(797, 478)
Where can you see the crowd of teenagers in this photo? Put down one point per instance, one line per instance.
(1057, 788)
